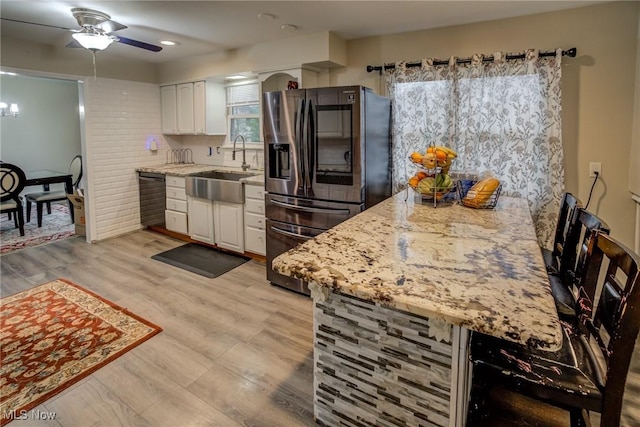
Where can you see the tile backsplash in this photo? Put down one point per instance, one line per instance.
(212, 150)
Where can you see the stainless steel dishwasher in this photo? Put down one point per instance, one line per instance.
(152, 198)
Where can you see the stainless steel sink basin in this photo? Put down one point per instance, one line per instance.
(218, 186)
(228, 176)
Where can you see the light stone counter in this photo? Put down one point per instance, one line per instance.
(254, 180)
(185, 169)
(478, 269)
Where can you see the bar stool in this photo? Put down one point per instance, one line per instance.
(589, 372)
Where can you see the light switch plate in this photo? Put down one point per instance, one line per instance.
(593, 168)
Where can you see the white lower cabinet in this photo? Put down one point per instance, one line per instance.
(229, 225)
(254, 220)
(201, 220)
(217, 223)
(175, 214)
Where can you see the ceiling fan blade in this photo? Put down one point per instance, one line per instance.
(110, 26)
(137, 43)
(41, 25)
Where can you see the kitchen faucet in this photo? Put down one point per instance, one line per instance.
(245, 165)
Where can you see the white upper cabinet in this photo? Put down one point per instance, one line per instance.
(169, 109)
(197, 108)
(200, 108)
(210, 106)
(185, 108)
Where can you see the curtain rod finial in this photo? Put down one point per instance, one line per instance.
(571, 52)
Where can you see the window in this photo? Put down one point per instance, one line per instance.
(243, 111)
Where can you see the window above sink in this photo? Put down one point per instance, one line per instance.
(243, 111)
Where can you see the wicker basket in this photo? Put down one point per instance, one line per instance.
(482, 199)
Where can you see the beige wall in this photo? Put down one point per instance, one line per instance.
(597, 86)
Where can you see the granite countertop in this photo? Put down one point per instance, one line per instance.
(254, 180)
(185, 169)
(480, 269)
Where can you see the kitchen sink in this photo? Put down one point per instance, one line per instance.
(227, 176)
(216, 185)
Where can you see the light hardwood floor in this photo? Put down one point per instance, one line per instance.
(234, 351)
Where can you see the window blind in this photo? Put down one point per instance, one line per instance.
(242, 94)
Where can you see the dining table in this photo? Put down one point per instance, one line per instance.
(398, 290)
(47, 177)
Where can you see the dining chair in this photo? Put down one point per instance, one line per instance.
(12, 182)
(567, 207)
(566, 281)
(46, 197)
(589, 372)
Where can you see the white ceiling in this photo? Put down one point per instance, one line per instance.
(203, 27)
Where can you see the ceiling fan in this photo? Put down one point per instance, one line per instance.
(96, 32)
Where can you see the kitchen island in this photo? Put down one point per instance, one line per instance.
(396, 291)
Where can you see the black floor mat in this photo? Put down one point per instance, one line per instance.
(208, 262)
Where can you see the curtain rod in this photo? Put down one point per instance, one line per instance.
(569, 52)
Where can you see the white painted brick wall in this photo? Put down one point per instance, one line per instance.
(120, 116)
(220, 156)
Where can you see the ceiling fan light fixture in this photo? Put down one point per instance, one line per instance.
(93, 41)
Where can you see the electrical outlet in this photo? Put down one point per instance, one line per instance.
(593, 168)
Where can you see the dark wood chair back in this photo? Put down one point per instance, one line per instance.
(567, 209)
(75, 168)
(614, 327)
(582, 226)
(12, 182)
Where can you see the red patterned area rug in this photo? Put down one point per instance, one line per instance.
(56, 226)
(56, 334)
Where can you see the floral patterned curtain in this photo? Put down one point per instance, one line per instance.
(502, 116)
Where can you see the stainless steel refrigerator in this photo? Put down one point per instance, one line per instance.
(327, 158)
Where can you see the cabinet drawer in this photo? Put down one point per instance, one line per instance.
(175, 181)
(255, 206)
(255, 241)
(254, 220)
(177, 205)
(176, 193)
(176, 221)
(254, 192)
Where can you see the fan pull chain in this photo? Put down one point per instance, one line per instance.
(94, 63)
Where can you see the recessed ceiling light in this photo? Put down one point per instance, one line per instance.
(288, 27)
(266, 16)
(169, 43)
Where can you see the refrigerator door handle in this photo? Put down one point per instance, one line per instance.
(311, 209)
(311, 129)
(307, 146)
(290, 234)
(300, 143)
